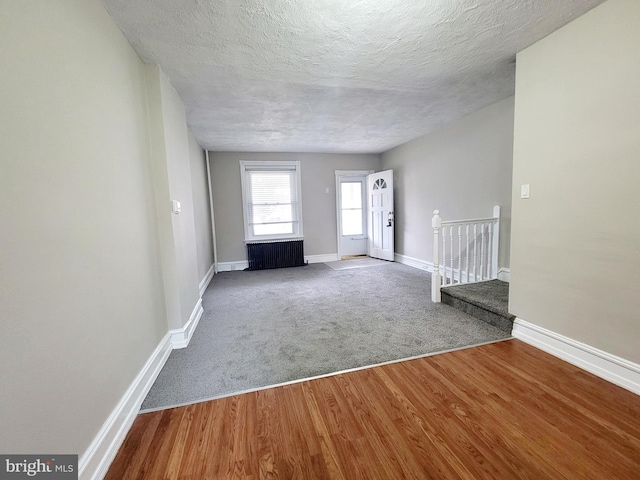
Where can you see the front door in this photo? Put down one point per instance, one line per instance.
(381, 221)
(351, 215)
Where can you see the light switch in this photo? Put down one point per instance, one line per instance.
(175, 207)
(524, 191)
(326, 190)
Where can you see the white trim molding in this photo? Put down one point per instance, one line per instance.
(414, 262)
(95, 461)
(326, 257)
(204, 283)
(213, 219)
(250, 167)
(340, 174)
(504, 274)
(233, 266)
(180, 337)
(614, 369)
(244, 264)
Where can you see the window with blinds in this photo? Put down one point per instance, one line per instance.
(271, 200)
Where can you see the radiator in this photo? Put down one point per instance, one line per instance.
(275, 254)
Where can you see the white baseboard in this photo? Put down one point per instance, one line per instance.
(414, 262)
(243, 264)
(504, 274)
(180, 337)
(95, 461)
(204, 283)
(614, 369)
(232, 266)
(327, 257)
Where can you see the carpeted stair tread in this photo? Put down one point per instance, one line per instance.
(488, 301)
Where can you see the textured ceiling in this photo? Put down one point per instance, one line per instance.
(334, 75)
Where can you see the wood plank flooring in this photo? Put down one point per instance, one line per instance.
(499, 411)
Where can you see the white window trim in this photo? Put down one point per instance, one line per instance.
(285, 165)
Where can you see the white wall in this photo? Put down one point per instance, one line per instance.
(171, 162)
(94, 267)
(318, 207)
(463, 170)
(576, 242)
(201, 213)
(179, 170)
(82, 305)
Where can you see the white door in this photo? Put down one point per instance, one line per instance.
(381, 221)
(352, 220)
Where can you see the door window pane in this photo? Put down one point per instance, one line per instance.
(351, 194)
(352, 222)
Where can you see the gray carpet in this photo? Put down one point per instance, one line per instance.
(492, 295)
(268, 327)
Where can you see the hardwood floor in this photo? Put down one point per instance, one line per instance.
(499, 411)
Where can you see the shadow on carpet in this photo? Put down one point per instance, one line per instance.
(269, 327)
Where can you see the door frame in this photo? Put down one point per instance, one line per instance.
(341, 174)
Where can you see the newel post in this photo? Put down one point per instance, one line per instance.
(436, 277)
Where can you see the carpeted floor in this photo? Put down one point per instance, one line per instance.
(268, 327)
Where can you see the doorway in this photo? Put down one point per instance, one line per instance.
(351, 189)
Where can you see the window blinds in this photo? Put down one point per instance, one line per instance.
(272, 200)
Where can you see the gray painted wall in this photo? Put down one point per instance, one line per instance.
(576, 242)
(463, 170)
(170, 158)
(82, 304)
(201, 214)
(179, 171)
(94, 267)
(318, 207)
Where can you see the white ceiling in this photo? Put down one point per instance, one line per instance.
(352, 76)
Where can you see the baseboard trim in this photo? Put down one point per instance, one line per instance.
(180, 337)
(504, 274)
(95, 461)
(204, 283)
(614, 369)
(413, 262)
(326, 257)
(233, 266)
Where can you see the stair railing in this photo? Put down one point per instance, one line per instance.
(464, 251)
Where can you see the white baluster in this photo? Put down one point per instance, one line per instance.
(451, 280)
(489, 250)
(482, 249)
(436, 278)
(444, 256)
(459, 254)
(468, 247)
(475, 251)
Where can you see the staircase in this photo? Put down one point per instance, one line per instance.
(487, 301)
(465, 268)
